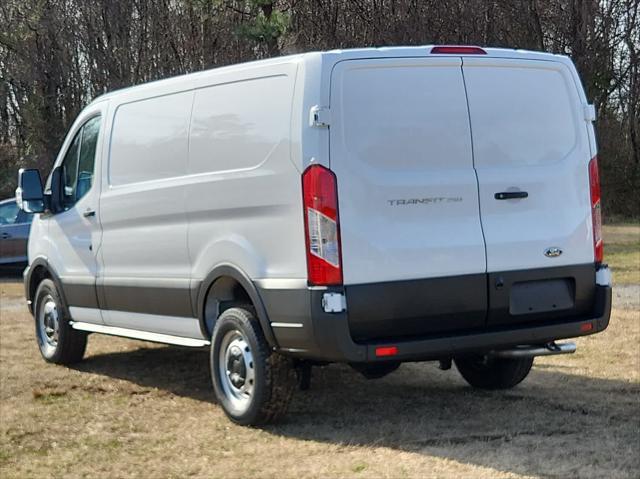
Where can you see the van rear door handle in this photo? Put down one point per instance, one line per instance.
(89, 213)
(510, 195)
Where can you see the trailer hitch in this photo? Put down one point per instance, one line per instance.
(548, 349)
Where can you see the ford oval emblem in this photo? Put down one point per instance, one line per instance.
(552, 252)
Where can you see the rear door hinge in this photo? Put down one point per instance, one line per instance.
(319, 117)
(589, 113)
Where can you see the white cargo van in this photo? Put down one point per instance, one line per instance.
(370, 206)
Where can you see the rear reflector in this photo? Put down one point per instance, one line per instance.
(596, 210)
(458, 50)
(322, 232)
(585, 328)
(386, 351)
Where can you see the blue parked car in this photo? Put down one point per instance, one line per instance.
(14, 233)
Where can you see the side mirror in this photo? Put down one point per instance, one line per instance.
(29, 194)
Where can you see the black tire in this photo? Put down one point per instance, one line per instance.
(273, 376)
(68, 345)
(486, 372)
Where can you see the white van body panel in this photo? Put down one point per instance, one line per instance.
(143, 206)
(143, 200)
(530, 134)
(401, 149)
(242, 186)
(203, 170)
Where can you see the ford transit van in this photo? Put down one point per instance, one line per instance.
(369, 207)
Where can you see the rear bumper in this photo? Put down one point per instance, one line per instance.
(501, 338)
(304, 330)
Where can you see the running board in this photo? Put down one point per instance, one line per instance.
(143, 335)
(532, 351)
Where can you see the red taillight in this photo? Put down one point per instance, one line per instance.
(321, 225)
(458, 50)
(383, 351)
(596, 210)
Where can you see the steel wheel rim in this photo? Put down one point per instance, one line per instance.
(236, 370)
(49, 323)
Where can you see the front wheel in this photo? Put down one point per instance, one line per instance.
(252, 384)
(58, 342)
(487, 372)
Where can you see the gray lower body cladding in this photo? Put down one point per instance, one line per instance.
(398, 309)
(425, 319)
(433, 318)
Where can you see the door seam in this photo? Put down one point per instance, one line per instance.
(475, 172)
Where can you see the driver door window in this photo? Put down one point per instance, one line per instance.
(78, 163)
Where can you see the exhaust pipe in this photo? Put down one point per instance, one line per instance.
(548, 349)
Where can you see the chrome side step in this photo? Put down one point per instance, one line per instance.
(548, 349)
(143, 335)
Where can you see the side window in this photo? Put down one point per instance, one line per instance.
(78, 163)
(70, 170)
(87, 156)
(8, 213)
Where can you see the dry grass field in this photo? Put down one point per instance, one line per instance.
(134, 409)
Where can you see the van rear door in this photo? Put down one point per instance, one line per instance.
(531, 153)
(412, 245)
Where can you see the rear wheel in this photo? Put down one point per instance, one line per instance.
(252, 384)
(487, 372)
(58, 342)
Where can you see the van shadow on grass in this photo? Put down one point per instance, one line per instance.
(554, 424)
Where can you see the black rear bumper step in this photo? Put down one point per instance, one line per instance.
(486, 341)
(327, 336)
(469, 303)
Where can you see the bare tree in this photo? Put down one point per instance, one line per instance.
(56, 55)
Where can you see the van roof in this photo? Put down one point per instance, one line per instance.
(332, 56)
